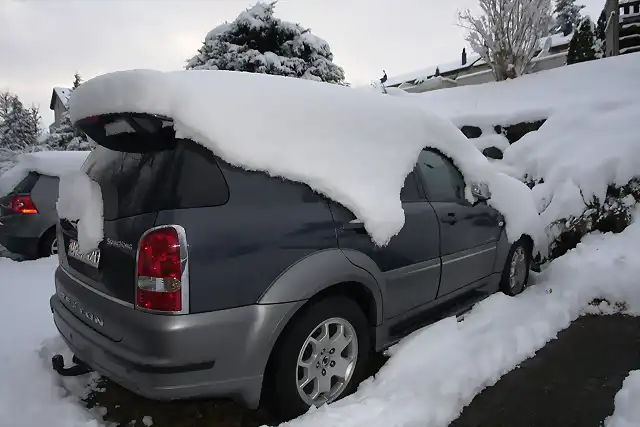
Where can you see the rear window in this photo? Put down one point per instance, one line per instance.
(175, 176)
(27, 184)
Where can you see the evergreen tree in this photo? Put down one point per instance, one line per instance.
(66, 137)
(567, 16)
(19, 126)
(258, 42)
(583, 44)
(77, 81)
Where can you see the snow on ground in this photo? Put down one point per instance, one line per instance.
(30, 393)
(52, 163)
(430, 377)
(627, 410)
(353, 146)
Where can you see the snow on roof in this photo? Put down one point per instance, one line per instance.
(52, 163)
(61, 92)
(590, 138)
(354, 146)
(473, 60)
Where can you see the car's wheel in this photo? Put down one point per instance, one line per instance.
(320, 358)
(48, 244)
(515, 275)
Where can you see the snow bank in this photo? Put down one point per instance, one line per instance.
(627, 410)
(539, 95)
(30, 393)
(356, 147)
(52, 163)
(434, 373)
(589, 141)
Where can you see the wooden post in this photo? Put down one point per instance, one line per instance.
(612, 29)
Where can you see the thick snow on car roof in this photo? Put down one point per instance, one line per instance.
(356, 147)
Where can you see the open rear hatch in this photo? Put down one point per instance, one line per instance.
(134, 167)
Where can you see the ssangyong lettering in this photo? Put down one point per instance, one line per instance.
(74, 304)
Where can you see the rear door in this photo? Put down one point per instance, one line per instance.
(468, 233)
(410, 263)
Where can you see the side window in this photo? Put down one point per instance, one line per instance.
(443, 181)
(409, 192)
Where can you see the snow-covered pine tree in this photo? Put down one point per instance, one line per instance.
(567, 16)
(66, 137)
(19, 126)
(258, 42)
(507, 33)
(583, 44)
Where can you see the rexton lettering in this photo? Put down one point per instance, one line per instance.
(74, 304)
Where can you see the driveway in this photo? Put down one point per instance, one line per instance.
(570, 382)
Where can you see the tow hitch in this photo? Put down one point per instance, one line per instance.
(79, 367)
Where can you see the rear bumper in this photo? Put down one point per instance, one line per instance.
(218, 354)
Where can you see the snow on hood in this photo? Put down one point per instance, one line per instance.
(356, 147)
(52, 163)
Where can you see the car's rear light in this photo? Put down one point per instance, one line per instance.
(161, 260)
(22, 204)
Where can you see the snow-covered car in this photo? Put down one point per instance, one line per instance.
(28, 196)
(234, 250)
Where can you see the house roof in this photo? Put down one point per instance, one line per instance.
(61, 92)
(473, 60)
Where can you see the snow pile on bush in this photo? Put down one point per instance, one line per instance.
(584, 159)
(353, 146)
(52, 163)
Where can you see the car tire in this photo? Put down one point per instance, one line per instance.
(515, 275)
(282, 394)
(47, 242)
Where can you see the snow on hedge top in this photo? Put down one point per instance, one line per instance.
(537, 96)
(52, 163)
(354, 146)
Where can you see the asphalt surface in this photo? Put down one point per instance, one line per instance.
(570, 382)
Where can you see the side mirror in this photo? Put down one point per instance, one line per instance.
(480, 191)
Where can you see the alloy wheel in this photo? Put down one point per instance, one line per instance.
(518, 269)
(327, 361)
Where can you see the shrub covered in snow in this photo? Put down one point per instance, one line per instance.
(258, 42)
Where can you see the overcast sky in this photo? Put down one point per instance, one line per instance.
(44, 42)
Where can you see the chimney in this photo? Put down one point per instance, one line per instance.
(464, 56)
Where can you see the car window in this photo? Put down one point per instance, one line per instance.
(410, 192)
(443, 181)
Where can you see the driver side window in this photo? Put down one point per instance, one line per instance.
(442, 180)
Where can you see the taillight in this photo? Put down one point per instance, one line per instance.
(22, 204)
(159, 284)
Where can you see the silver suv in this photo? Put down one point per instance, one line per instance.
(215, 281)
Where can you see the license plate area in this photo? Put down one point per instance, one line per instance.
(91, 258)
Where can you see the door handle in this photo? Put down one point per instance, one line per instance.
(354, 224)
(449, 218)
